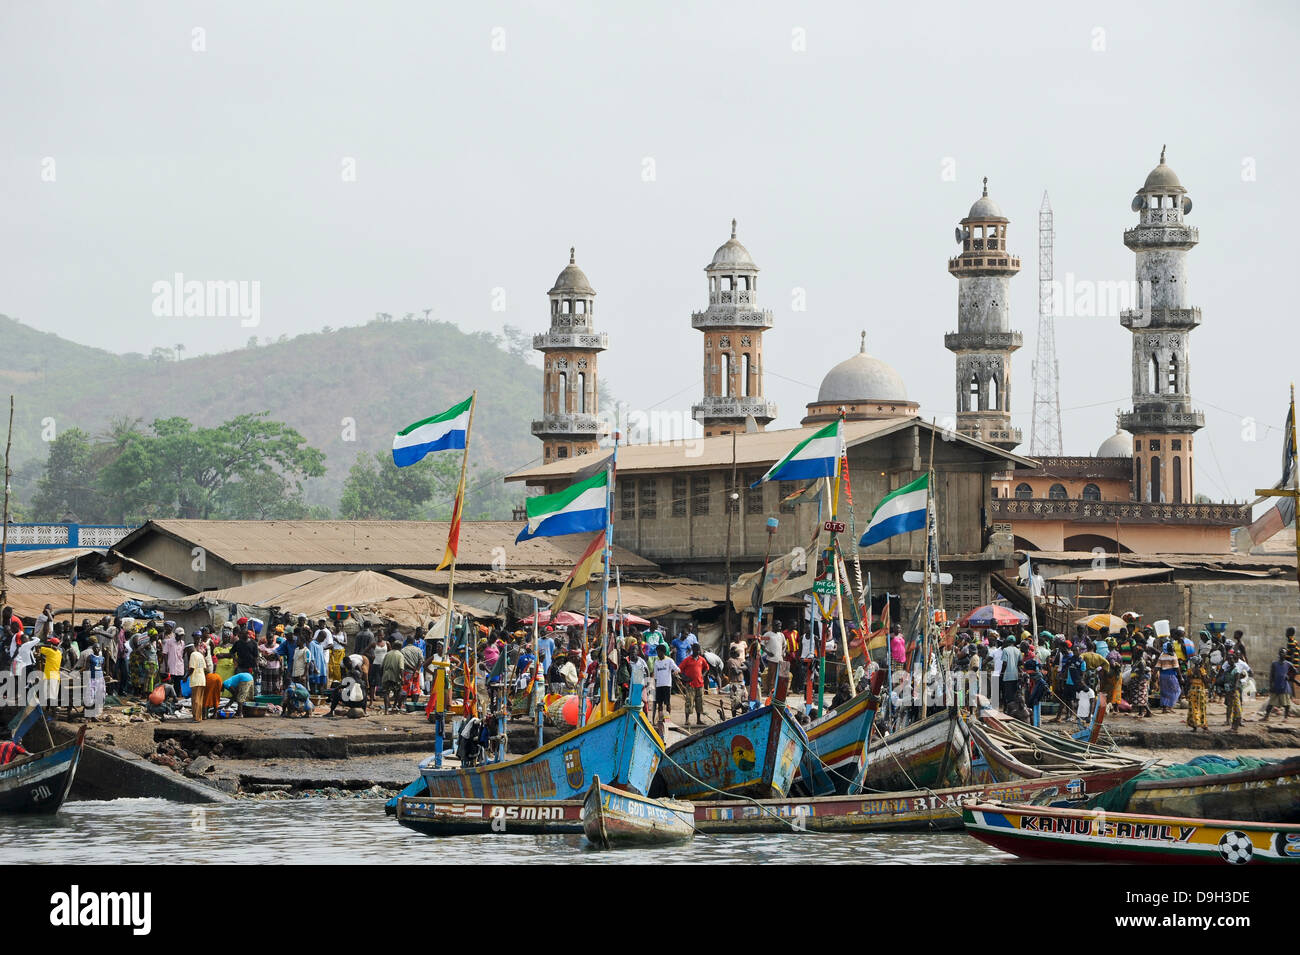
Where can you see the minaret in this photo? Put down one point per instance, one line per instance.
(569, 425)
(1162, 421)
(984, 340)
(733, 327)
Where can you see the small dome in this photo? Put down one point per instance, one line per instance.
(1118, 445)
(572, 279)
(1162, 178)
(731, 254)
(985, 208)
(862, 378)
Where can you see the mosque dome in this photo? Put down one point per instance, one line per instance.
(985, 208)
(1162, 178)
(731, 254)
(862, 378)
(572, 279)
(1118, 445)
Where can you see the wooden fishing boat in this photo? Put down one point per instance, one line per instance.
(464, 817)
(837, 745)
(1269, 793)
(621, 747)
(915, 811)
(930, 754)
(1094, 835)
(754, 754)
(39, 782)
(612, 817)
(1028, 753)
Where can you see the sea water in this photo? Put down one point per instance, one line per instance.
(356, 831)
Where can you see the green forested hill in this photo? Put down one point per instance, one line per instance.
(346, 390)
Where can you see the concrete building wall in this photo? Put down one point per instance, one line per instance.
(176, 560)
(1136, 538)
(1263, 609)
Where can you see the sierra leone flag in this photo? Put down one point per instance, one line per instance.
(443, 432)
(814, 457)
(898, 512)
(579, 509)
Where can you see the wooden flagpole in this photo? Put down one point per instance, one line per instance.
(457, 514)
(4, 532)
(604, 587)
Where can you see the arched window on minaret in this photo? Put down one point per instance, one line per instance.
(745, 371)
(994, 394)
(1178, 480)
(1173, 374)
(1137, 477)
(1155, 481)
(726, 375)
(582, 392)
(1153, 376)
(973, 398)
(562, 397)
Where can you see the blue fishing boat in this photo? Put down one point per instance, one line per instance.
(837, 746)
(755, 754)
(621, 748)
(36, 782)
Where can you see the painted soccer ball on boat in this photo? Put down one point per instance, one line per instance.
(1235, 847)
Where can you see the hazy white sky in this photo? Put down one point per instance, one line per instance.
(488, 138)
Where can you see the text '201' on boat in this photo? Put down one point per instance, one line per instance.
(36, 782)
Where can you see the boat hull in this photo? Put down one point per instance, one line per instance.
(1268, 794)
(613, 818)
(930, 754)
(754, 754)
(916, 811)
(621, 747)
(39, 783)
(837, 746)
(1092, 835)
(470, 817)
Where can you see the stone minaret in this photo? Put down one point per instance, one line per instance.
(1162, 421)
(733, 327)
(569, 425)
(984, 340)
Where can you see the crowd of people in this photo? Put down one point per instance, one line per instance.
(301, 663)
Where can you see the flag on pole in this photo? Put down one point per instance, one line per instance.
(814, 457)
(591, 561)
(578, 509)
(1288, 447)
(72, 578)
(453, 534)
(442, 432)
(898, 512)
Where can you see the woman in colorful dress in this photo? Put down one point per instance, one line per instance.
(1141, 684)
(1198, 694)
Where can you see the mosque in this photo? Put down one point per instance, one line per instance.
(688, 506)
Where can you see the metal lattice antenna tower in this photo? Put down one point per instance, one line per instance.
(1045, 438)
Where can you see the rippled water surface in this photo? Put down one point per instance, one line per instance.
(333, 831)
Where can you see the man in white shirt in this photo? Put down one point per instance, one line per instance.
(773, 654)
(995, 654)
(664, 669)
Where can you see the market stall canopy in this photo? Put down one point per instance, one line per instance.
(1104, 621)
(369, 593)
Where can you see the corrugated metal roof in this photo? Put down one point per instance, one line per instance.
(28, 595)
(1114, 574)
(757, 448)
(24, 562)
(371, 544)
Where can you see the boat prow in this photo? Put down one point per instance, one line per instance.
(614, 817)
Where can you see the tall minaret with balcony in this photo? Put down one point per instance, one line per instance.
(733, 327)
(984, 340)
(569, 425)
(1162, 421)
